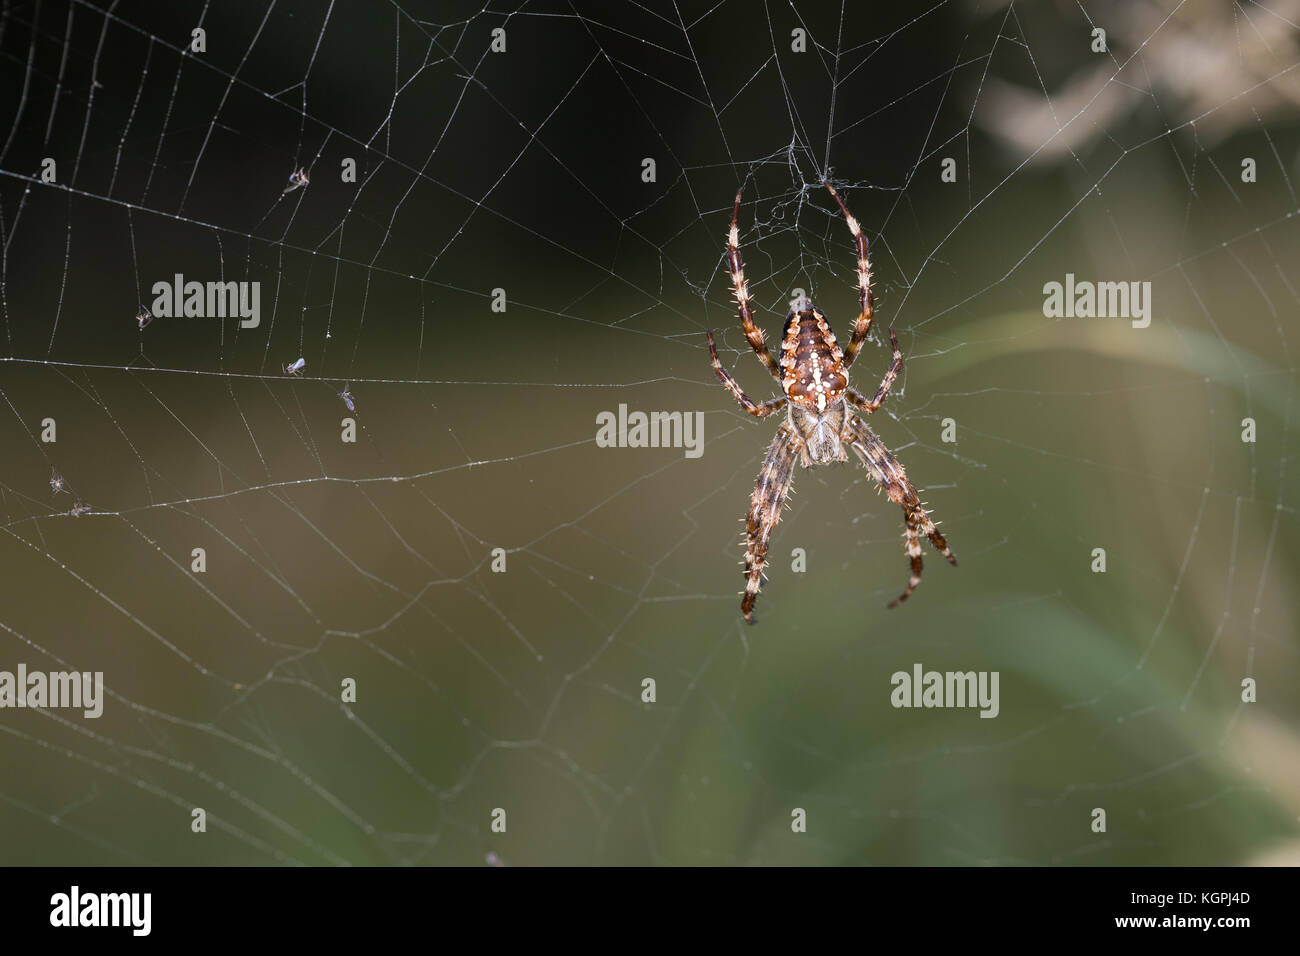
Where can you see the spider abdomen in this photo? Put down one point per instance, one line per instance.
(813, 364)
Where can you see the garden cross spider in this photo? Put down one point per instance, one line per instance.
(814, 375)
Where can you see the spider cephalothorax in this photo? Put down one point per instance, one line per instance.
(819, 426)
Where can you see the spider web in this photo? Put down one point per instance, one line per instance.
(373, 561)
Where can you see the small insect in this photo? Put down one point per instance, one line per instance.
(814, 376)
(346, 395)
(143, 318)
(79, 509)
(295, 368)
(297, 180)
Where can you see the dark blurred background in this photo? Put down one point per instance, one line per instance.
(521, 690)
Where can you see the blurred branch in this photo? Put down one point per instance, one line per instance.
(1194, 67)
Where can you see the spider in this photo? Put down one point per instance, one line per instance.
(814, 375)
(298, 179)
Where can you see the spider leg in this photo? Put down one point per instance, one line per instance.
(914, 555)
(758, 411)
(858, 399)
(752, 332)
(765, 511)
(862, 325)
(889, 474)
